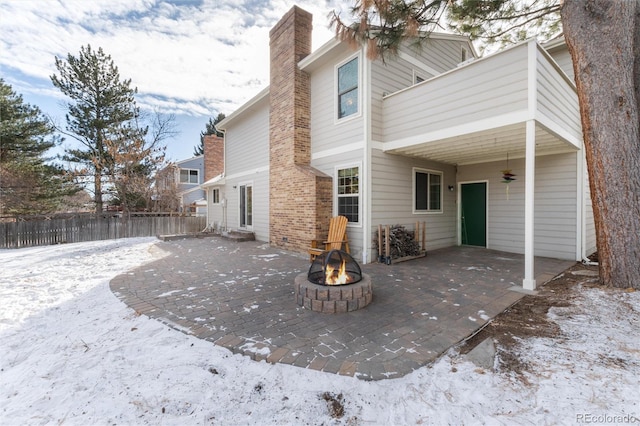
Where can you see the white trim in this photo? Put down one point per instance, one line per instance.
(464, 54)
(515, 117)
(188, 169)
(418, 74)
(349, 165)
(248, 183)
(251, 102)
(365, 187)
(459, 208)
(249, 172)
(532, 80)
(340, 120)
(213, 203)
(339, 150)
(529, 281)
(558, 130)
(416, 63)
(177, 163)
(217, 180)
(190, 190)
(319, 53)
(413, 191)
(581, 231)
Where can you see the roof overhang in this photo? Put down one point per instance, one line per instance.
(216, 181)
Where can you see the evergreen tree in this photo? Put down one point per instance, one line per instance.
(603, 37)
(210, 130)
(102, 107)
(28, 184)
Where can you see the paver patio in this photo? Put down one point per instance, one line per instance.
(240, 295)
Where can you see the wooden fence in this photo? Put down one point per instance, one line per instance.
(39, 231)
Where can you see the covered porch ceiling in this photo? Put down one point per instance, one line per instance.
(485, 146)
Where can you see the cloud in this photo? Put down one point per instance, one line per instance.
(187, 57)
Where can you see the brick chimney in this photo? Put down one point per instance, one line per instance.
(300, 196)
(213, 156)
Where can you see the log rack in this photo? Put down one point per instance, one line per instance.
(384, 244)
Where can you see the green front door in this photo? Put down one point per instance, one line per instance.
(473, 214)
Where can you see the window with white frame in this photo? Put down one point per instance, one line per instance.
(215, 196)
(463, 54)
(418, 77)
(427, 186)
(348, 193)
(189, 176)
(348, 88)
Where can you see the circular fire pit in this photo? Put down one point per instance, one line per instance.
(333, 299)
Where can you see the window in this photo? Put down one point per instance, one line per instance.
(428, 190)
(215, 196)
(418, 77)
(189, 176)
(463, 54)
(348, 88)
(348, 193)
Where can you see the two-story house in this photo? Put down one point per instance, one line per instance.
(178, 185)
(429, 135)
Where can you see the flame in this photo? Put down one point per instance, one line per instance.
(338, 277)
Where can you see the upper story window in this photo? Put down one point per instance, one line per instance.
(463, 54)
(427, 191)
(189, 176)
(418, 77)
(348, 88)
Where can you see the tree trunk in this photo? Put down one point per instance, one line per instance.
(603, 37)
(97, 186)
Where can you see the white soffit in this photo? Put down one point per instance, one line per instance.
(485, 146)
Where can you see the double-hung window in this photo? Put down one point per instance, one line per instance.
(189, 176)
(348, 193)
(348, 88)
(215, 196)
(427, 191)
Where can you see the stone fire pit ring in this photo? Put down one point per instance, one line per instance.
(333, 299)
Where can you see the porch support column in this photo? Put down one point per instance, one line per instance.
(529, 282)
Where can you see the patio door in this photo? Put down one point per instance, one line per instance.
(473, 214)
(246, 206)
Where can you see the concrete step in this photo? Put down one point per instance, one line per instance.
(239, 235)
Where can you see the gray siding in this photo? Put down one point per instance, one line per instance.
(557, 97)
(555, 205)
(482, 89)
(589, 223)
(392, 198)
(563, 59)
(326, 131)
(216, 212)
(329, 165)
(247, 162)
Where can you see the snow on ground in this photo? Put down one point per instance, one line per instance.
(73, 354)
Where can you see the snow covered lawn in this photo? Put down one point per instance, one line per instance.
(72, 353)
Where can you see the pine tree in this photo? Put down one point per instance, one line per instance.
(28, 183)
(210, 130)
(102, 107)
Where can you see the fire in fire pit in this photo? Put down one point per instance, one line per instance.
(334, 267)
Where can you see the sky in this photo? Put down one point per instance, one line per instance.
(72, 353)
(190, 58)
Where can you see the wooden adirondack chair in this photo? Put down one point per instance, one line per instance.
(335, 240)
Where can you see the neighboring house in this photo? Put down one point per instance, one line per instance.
(184, 178)
(424, 136)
